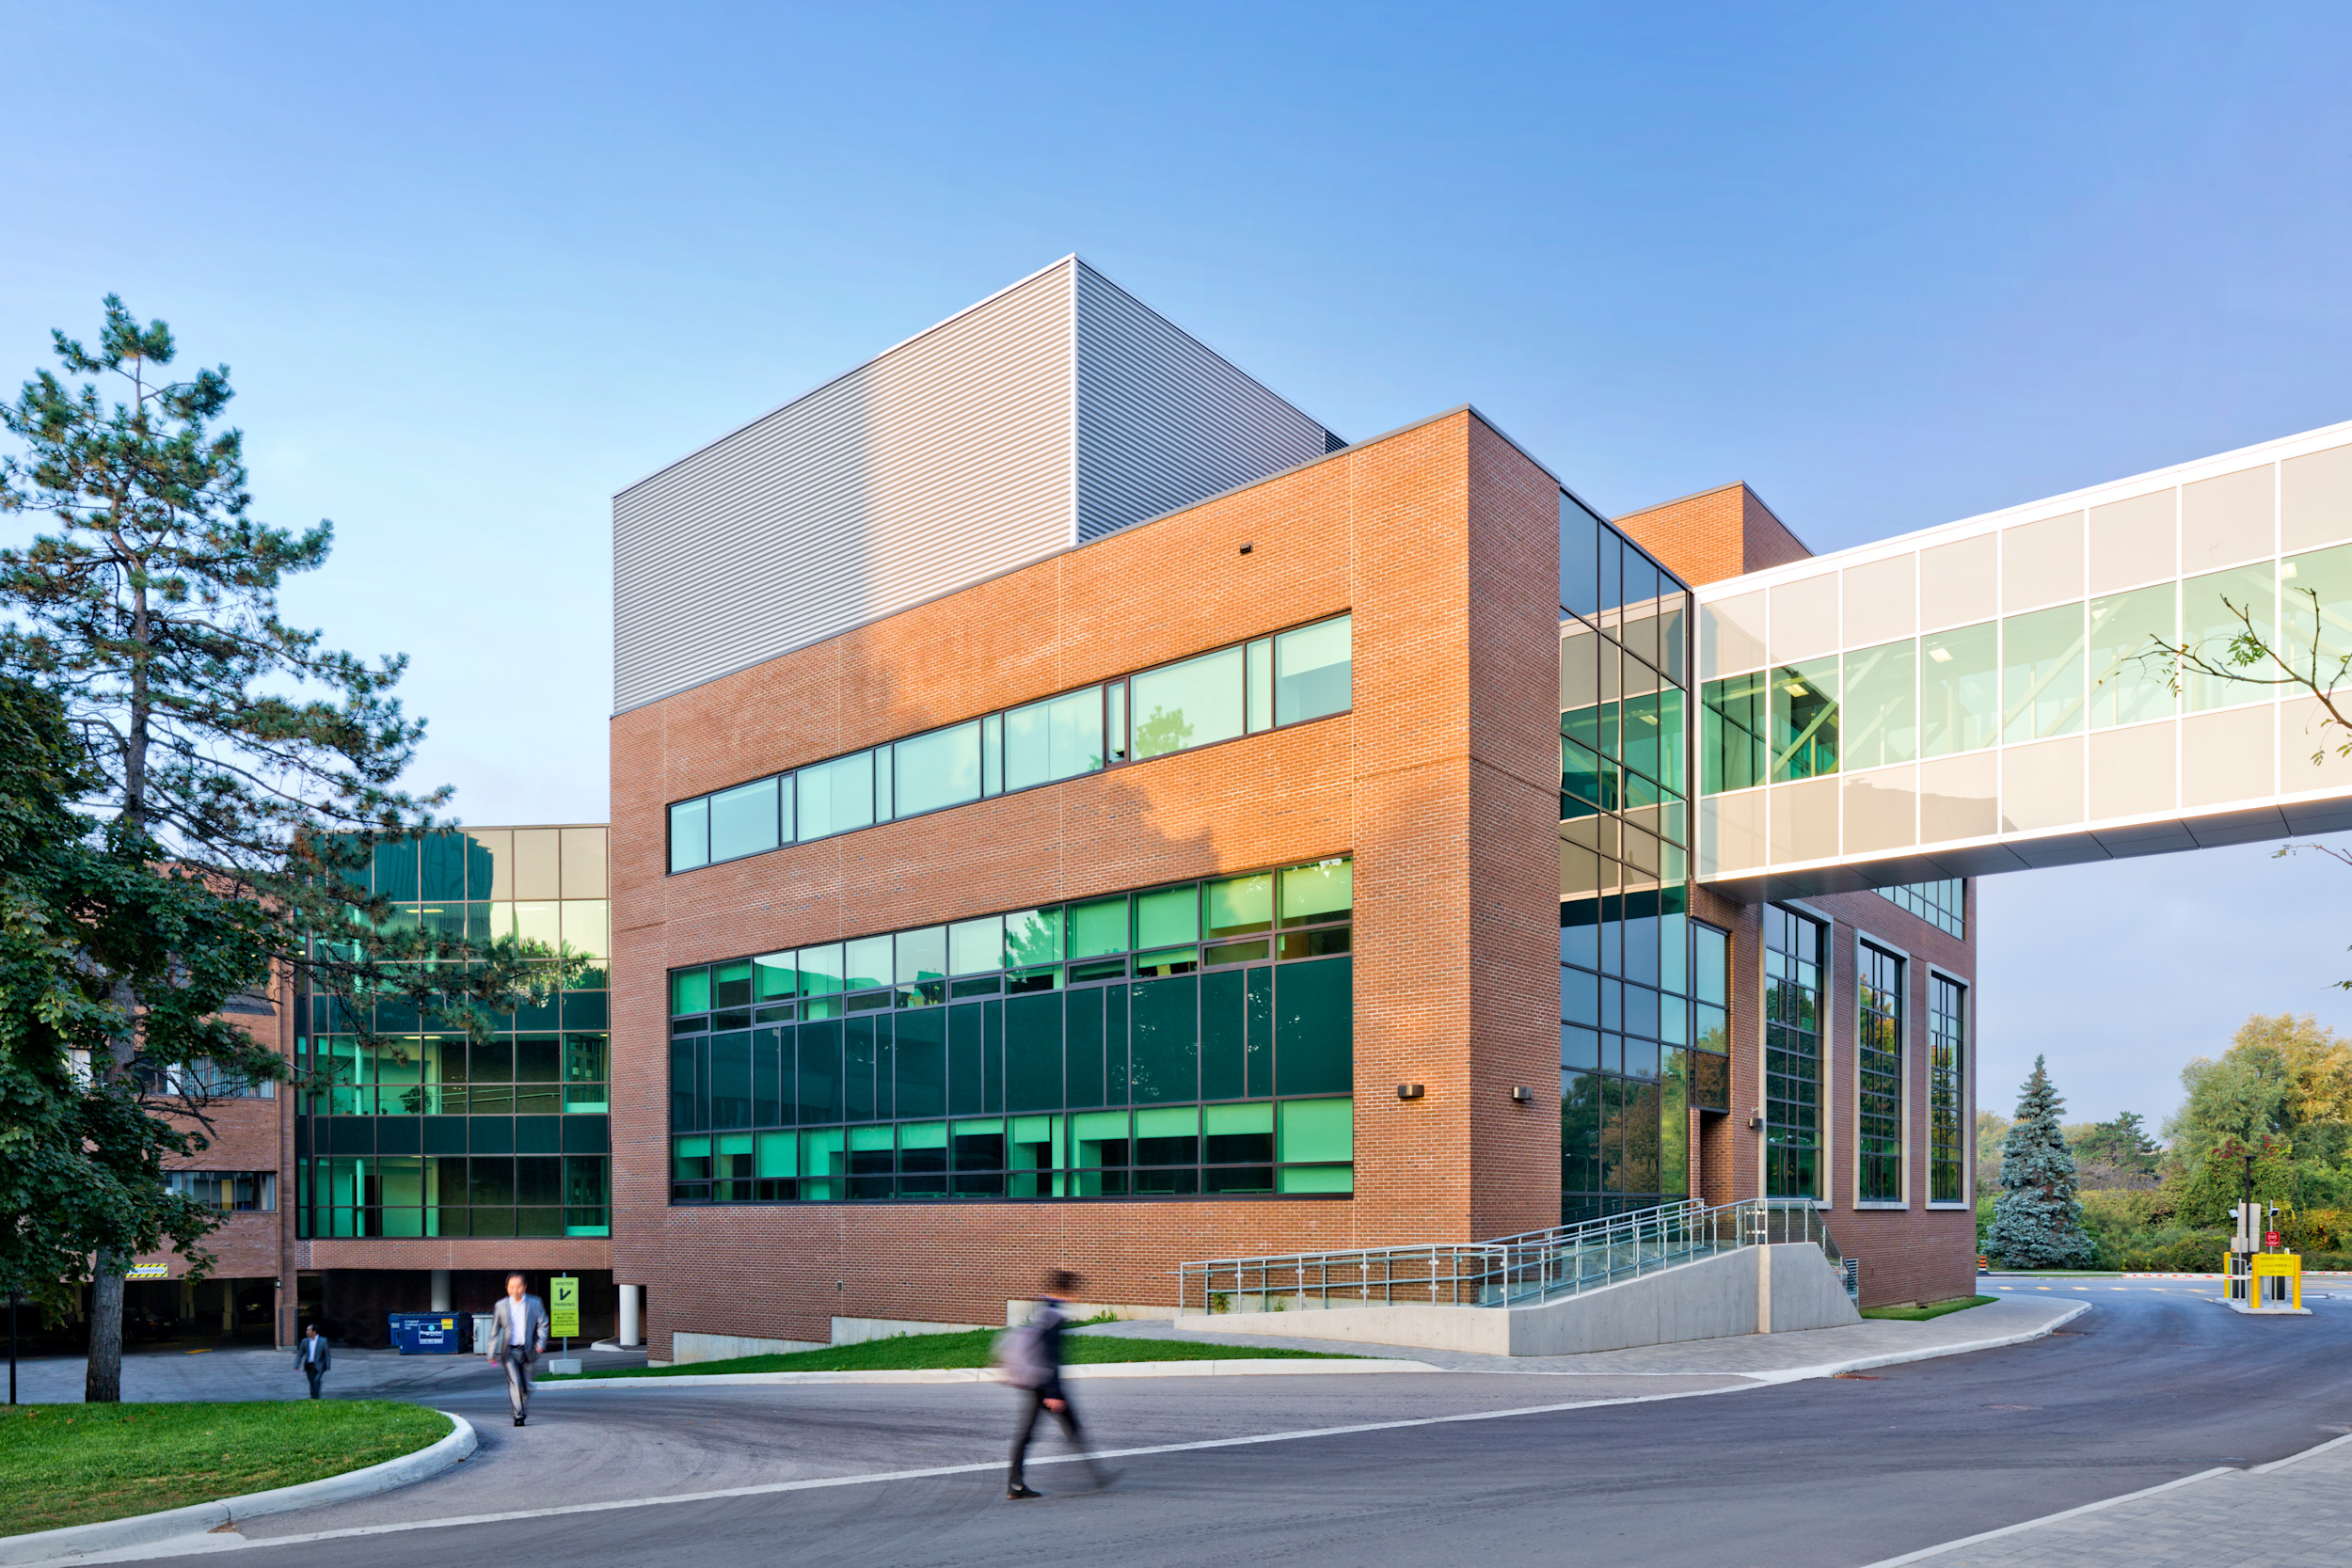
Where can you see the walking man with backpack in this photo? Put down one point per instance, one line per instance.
(1031, 1361)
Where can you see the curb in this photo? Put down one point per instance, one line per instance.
(77, 1542)
(1925, 1353)
(1248, 1367)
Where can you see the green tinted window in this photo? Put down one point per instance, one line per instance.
(743, 821)
(922, 955)
(2316, 597)
(838, 796)
(867, 962)
(1033, 937)
(1958, 689)
(1312, 670)
(731, 984)
(1098, 927)
(1238, 904)
(1059, 738)
(1191, 704)
(1322, 890)
(1166, 1054)
(1734, 716)
(821, 970)
(690, 835)
(689, 990)
(1804, 719)
(940, 769)
(975, 947)
(774, 978)
(1318, 1129)
(1881, 705)
(2131, 677)
(2041, 674)
(1314, 1027)
(2215, 609)
(1168, 916)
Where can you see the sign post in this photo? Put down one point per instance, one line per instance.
(564, 1319)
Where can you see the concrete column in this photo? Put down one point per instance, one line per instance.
(440, 1291)
(630, 1335)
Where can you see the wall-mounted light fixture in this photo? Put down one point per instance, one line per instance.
(1408, 1091)
(1521, 1093)
(1246, 549)
(1755, 1123)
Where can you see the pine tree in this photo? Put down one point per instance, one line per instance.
(219, 741)
(84, 906)
(2037, 1222)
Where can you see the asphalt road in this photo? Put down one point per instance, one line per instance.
(2155, 1383)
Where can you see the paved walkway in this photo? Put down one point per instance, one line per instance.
(1760, 1356)
(168, 1374)
(2295, 1512)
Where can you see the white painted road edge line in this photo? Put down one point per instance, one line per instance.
(1242, 1367)
(2295, 1458)
(815, 1483)
(191, 1544)
(78, 1543)
(820, 1483)
(1927, 1552)
(1831, 1368)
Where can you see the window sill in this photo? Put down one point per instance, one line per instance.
(1882, 1206)
(1951, 1205)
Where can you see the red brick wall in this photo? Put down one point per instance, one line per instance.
(1914, 1253)
(1715, 534)
(1441, 541)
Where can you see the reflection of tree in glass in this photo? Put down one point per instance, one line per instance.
(1164, 731)
(1634, 1130)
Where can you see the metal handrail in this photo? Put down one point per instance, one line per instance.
(1512, 1271)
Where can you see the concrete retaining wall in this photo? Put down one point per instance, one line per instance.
(686, 1346)
(1713, 1298)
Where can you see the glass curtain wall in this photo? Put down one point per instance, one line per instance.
(1793, 953)
(1942, 904)
(1191, 1040)
(1947, 1057)
(1287, 678)
(1879, 1076)
(1643, 989)
(418, 1133)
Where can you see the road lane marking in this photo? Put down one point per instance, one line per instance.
(217, 1543)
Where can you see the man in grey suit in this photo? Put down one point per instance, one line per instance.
(313, 1357)
(519, 1337)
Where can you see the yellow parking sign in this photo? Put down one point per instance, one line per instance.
(564, 1308)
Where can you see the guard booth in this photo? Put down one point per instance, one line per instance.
(2261, 1275)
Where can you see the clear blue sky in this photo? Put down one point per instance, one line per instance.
(475, 268)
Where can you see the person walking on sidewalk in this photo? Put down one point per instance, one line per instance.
(313, 1357)
(519, 1337)
(1031, 1359)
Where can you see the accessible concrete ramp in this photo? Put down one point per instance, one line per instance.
(1754, 1289)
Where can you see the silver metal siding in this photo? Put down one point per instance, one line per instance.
(944, 462)
(1164, 421)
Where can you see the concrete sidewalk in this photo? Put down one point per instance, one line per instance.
(167, 1374)
(2295, 1512)
(1764, 1358)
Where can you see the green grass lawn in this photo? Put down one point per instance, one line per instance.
(76, 1463)
(1923, 1314)
(969, 1348)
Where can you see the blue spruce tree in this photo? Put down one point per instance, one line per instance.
(2037, 1222)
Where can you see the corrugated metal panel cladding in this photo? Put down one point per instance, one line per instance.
(1162, 421)
(949, 459)
(943, 461)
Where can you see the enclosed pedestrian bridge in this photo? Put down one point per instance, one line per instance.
(1990, 695)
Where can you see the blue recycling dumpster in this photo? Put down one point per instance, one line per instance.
(427, 1333)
